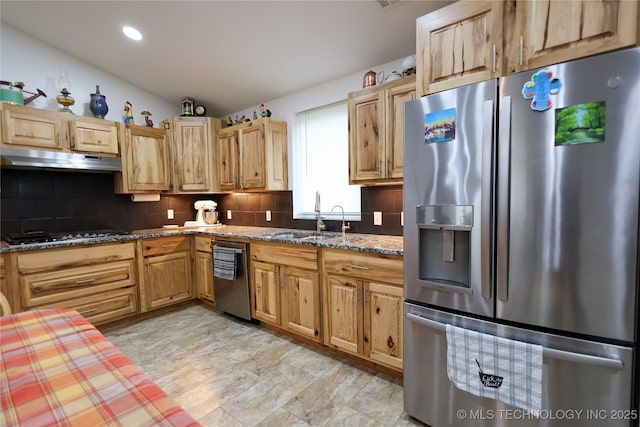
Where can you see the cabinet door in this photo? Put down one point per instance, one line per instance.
(558, 31)
(228, 157)
(383, 324)
(30, 127)
(146, 167)
(94, 135)
(167, 279)
(344, 314)
(276, 165)
(458, 45)
(266, 294)
(396, 98)
(252, 157)
(193, 157)
(301, 302)
(366, 141)
(204, 276)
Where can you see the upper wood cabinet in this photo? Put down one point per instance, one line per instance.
(227, 159)
(458, 45)
(376, 118)
(253, 156)
(194, 154)
(470, 41)
(145, 160)
(33, 128)
(93, 135)
(549, 32)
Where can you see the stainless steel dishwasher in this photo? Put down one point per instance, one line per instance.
(231, 277)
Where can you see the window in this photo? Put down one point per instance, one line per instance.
(321, 163)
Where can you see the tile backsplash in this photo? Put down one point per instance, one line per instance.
(70, 201)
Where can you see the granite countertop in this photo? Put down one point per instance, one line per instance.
(374, 243)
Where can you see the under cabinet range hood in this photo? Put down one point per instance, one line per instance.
(38, 159)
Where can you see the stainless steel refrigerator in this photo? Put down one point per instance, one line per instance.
(521, 199)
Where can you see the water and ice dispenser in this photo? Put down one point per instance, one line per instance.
(444, 245)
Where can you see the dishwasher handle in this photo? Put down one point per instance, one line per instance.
(548, 352)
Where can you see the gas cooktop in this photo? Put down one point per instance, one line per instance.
(38, 236)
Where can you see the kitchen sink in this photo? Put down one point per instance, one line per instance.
(302, 235)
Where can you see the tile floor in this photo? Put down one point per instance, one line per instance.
(227, 372)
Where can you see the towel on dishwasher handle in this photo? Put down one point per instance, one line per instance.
(495, 367)
(224, 262)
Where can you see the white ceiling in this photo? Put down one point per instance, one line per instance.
(228, 55)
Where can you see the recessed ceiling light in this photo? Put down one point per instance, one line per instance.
(132, 33)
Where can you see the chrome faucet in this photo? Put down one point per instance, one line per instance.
(319, 224)
(344, 227)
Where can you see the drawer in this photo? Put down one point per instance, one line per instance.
(104, 307)
(63, 258)
(165, 245)
(292, 255)
(59, 285)
(378, 267)
(203, 244)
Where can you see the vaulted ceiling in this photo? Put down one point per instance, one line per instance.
(229, 55)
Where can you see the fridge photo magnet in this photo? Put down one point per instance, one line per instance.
(538, 89)
(440, 126)
(580, 124)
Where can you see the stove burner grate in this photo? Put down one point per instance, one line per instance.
(38, 236)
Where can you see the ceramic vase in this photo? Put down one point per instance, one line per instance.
(98, 104)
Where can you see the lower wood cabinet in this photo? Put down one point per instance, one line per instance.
(204, 269)
(362, 303)
(285, 290)
(98, 280)
(166, 271)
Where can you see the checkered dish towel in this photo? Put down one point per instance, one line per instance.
(494, 367)
(224, 262)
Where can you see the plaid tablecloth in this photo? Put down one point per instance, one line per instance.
(57, 369)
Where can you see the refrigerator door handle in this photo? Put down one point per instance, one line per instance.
(552, 353)
(504, 173)
(485, 204)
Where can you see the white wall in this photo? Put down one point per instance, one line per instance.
(287, 107)
(38, 65)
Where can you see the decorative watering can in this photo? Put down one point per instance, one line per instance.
(12, 93)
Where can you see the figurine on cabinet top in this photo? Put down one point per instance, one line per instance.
(128, 110)
(229, 121)
(264, 112)
(147, 120)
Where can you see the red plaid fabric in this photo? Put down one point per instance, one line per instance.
(57, 369)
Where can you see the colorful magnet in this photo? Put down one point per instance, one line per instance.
(541, 85)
